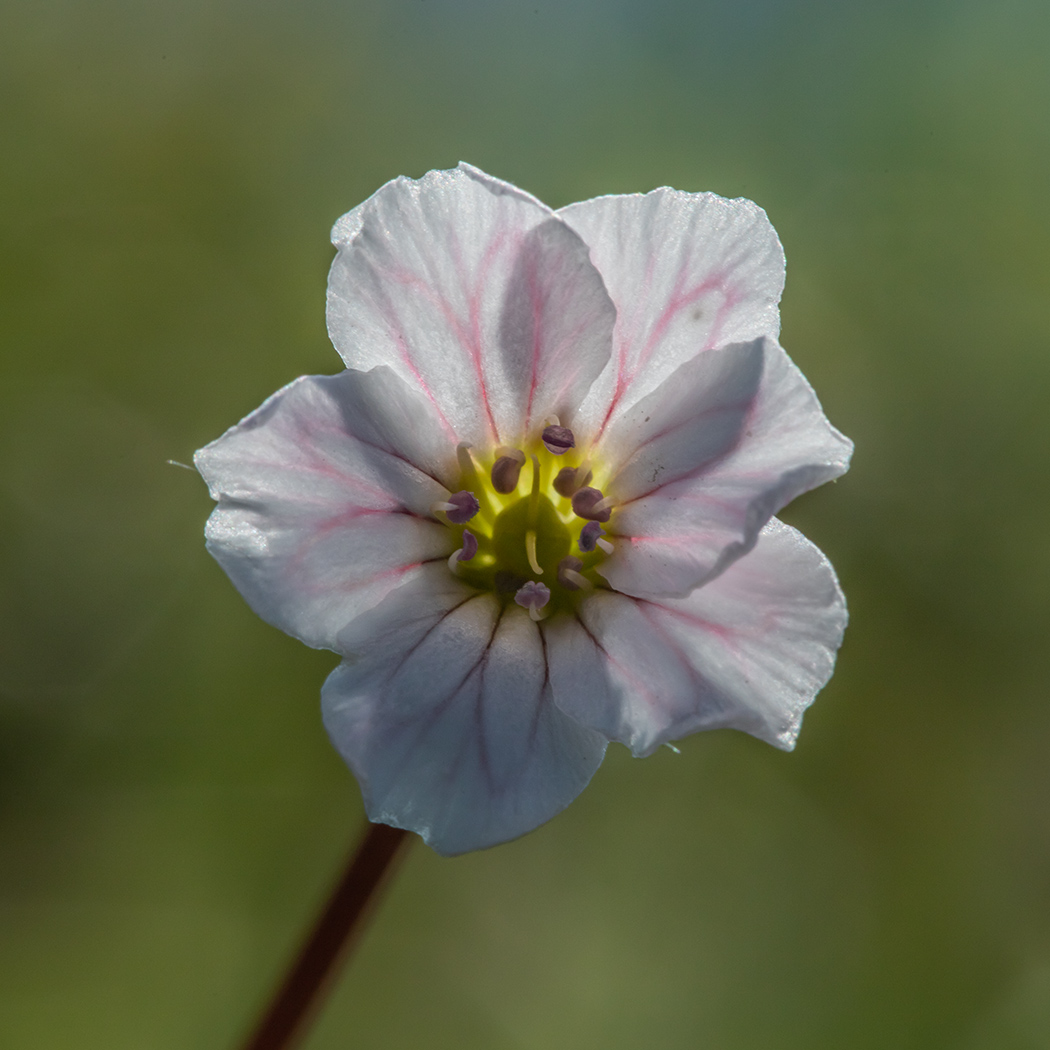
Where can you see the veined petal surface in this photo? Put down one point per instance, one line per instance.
(750, 650)
(444, 712)
(687, 272)
(323, 499)
(701, 464)
(477, 295)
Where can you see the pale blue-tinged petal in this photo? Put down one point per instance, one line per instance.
(444, 713)
(324, 497)
(698, 466)
(477, 295)
(687, 272)
(749, 650)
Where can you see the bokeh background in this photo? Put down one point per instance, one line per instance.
(171, 813)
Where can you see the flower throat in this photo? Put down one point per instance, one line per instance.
(529, 531)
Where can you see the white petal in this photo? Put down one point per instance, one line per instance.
(750, 650)
(444, 713)
(730, 438)
(323, 499)
(477, 295)
(687, 272)
(694, 417)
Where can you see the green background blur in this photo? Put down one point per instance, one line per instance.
(171, 813)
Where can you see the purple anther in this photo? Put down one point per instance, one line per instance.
(533, 596)
(565, 483)
(464, 507)
(589, 536)
(569, 575)
(586, 504)
(505, 473)
(558, 439)
(470, 546)
(465, 553)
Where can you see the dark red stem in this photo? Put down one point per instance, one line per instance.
(340, 923)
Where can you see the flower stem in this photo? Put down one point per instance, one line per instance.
(329, 941)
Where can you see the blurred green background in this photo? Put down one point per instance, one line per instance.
(171, 813)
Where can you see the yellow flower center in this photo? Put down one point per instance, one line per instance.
(530, 533)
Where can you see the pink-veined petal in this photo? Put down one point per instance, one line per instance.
(725, 442)
(697, 415)
(324, 497)
(687, 272)
(443, 711)
(477, 295)
(750, 650)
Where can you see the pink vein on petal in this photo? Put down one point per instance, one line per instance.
(496, 245)
(337, 521)
(719, 630)
(570, 376)
(357, 583)
(537, 304)
(677, 301)
(397, 333)
(729, 302)
(687, 540)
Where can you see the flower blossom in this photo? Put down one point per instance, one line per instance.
(534, 514)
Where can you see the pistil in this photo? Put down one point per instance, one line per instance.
(530, 552)
(523, 533)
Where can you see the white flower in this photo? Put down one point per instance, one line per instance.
(515, 374)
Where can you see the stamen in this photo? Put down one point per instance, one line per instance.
(606, 546)
(466, 460)
(507, 469)
(565, 482)
(558, 440)
(470, 546)
(533, 596)
(590, 503)
(469, 476)
(460, 507)
(569, 575)
(530, 550)
(589, 536)
(569, 479)
(465, 553)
